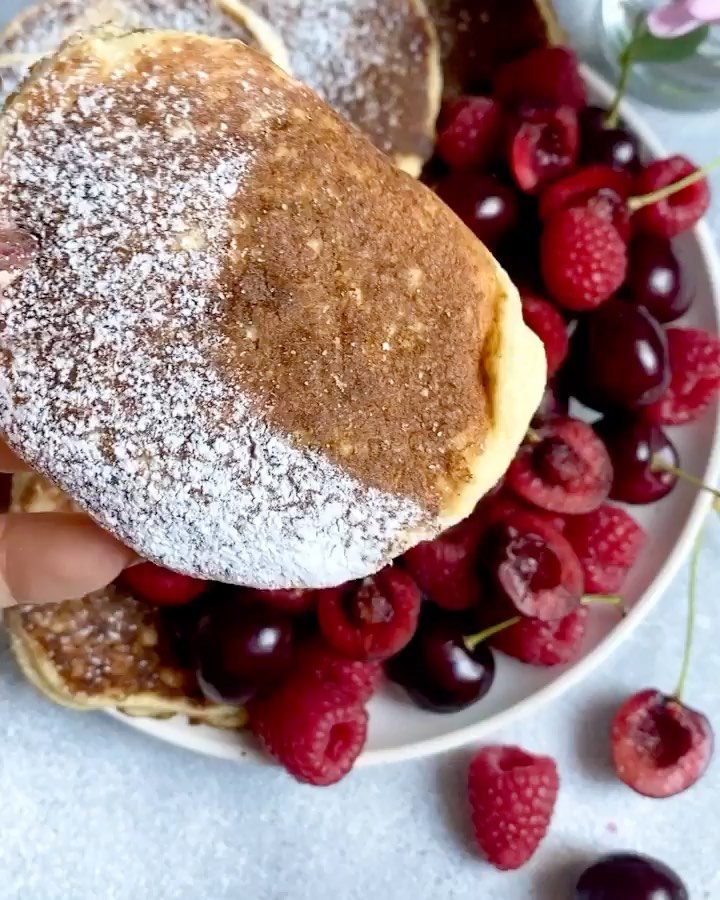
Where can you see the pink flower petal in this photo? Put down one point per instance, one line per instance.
(672, 20)
(705, 10)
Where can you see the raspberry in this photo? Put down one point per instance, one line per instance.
(359, 678)
(512, 796)
(694, 377)
(316, 730)
(602, 190)
(583, 258)
(549, 326)
(293, 600)
(544, 643)
(546, 76)
(446, 569)
(680, 211)
(506, 505)
(470, 133)
(567, 470)
(544, 144)
(533, 567)
(607, 541)
(160, 586)
(374, 619)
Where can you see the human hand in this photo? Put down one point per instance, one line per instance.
(48, 557)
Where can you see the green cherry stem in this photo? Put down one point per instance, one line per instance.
(626, 61)
(657, 464)
(692, 607)
(601, 600)
(636, 203)
(471, 641)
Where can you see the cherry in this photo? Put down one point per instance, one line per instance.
(155, 584)
(439, 670)
(242, 650)
(654, 279)
(543, 146)
(660, 747)
(618, 358)
(633, 445)
(533, 568)
(488, 207)
(629, 876)
(610, 146)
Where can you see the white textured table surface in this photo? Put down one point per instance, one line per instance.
(90, 810)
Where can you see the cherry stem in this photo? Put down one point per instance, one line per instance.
(626, 61)
(601, 600)
(471, 641)
(659, 465)
(692, 607)
(636, 203)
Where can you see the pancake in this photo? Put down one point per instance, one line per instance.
(376, 62)
(42, 28)
(478, 36)
(106, 650)
(248, 345)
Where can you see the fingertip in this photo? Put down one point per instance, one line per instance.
(50, 557)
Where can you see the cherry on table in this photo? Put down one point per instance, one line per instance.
(630, 876)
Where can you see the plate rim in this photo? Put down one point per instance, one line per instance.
(572, 676)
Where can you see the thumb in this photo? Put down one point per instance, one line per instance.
(49, 557)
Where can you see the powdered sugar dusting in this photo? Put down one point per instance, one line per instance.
(368, 59)
(112, 350)
(45, 28)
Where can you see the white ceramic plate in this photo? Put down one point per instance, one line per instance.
(398, 730)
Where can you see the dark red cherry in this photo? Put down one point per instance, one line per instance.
(616, 147)
(630, 876)
(655, 280)
(437, 669)
(488, 207)
(618, 358)
(242, 650)
(633, 444)
(554, 403)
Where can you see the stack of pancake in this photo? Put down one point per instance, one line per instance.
(380, 64)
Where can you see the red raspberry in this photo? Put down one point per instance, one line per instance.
(568, 469)
(445, 569)
(546, 76)
(694, 377)
(544, 144)
(512, 796)
(680, 211)
(359, 678)
(549, 326)
(374, 619)
(583, 258)
(316, 730)
(506, 505)
(544, 643)
(160, 586)
(601, 189)
(293, 601)
(533, 568)
(607, 541)
(470, 133)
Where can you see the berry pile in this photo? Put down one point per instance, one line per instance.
(567, 205)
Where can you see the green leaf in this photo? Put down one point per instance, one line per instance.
(648, 48)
